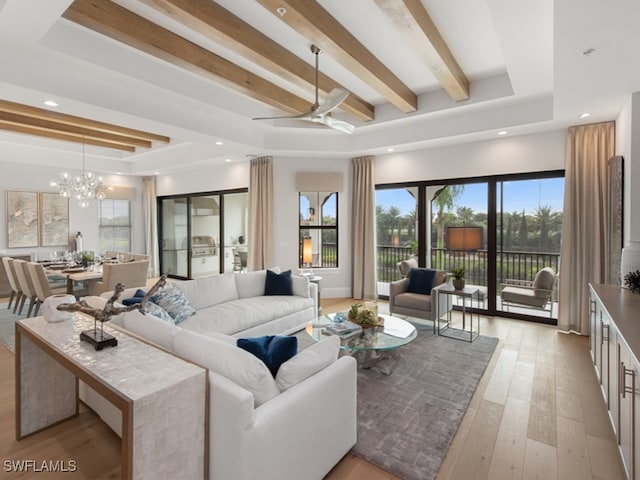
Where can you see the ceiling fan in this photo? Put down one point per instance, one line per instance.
(319, 113)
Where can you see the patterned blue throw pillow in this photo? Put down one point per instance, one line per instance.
(159, 312)
(174, 303)
(272, 350)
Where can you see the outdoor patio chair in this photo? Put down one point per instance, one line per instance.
(537, 295)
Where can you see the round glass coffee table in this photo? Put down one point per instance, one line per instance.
(372, 346)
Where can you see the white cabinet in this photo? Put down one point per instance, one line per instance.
(628, 403)
(615, 345)
(203, 266)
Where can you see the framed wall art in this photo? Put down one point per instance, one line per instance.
(54, 220)
(615, 169)
(22, 219)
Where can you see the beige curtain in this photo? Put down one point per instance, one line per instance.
(150, 215)
(583, 256)
(260, 213)
(363, 211)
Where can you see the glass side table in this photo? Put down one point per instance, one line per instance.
(467, 332)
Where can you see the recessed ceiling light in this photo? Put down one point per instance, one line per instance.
(585, 115)
(227, 160)
(118, 173)
(156, 173)
(390, 149)
(50, 103)
(502, 132)
(219, 143)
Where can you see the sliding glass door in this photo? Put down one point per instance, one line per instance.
(396, 232)
(528, 234)
(203, 234)
(459, 225)
(502, 229)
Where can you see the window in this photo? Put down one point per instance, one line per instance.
(114, 225)
(318, 229)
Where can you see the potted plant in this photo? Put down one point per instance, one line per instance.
(364, 317)
(458, 278)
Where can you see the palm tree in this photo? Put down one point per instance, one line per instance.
(444, 199)
(465, 215)
(394, 221)
(523, 232)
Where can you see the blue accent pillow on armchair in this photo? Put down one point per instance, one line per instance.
(278, 283)
(273, 350)
(421, 280)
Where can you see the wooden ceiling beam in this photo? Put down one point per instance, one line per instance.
(413, 21)
(73, 130)
(319, 27)
(116, 22)
(217, 23)
(69, 137)
(84, 123)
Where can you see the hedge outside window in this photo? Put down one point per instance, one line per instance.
(114, 228)
(318, 223)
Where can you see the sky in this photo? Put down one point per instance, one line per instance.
(517, 195)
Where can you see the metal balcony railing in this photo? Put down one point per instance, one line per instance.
(510, 265)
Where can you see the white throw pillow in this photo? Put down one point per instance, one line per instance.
(208, 291)
(308, 362)
(230, 361)
(251, 284)
(300, 286)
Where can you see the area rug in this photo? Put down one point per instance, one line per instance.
(407, 420)
(7, 326)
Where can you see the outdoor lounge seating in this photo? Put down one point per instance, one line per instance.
(536, 294)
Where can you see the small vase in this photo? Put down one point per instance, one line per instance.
(630, 261)
(458, 283)
(50, 309)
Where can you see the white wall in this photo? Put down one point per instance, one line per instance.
(28, 177)
(205, 179)
(516, 154)
(628, 145)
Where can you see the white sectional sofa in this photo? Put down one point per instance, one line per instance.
(296, 425)
(235, 304)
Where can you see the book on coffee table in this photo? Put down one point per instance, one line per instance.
(344, 329)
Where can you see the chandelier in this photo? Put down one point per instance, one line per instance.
(82, 187)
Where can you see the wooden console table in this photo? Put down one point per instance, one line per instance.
(163, 399)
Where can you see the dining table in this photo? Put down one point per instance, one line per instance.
(75, 273)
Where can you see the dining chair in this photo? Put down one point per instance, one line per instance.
(16, 292)
(24, 279)
(41, 284)
(130, 274)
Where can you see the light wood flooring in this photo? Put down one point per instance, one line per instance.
(537, 414)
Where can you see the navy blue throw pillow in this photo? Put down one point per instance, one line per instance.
(421, 280)
(137, 298)
(278, 283)
(131, 301)
(272, 350)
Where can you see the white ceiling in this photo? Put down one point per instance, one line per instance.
(524, 60)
